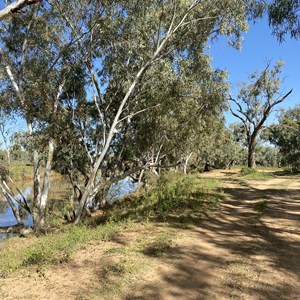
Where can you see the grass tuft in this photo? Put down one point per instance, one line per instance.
(51, 248)
(176, 196)
(254, 173)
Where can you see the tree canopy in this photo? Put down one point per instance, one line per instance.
(286, 136)
(284, 18)
(113, 88)
(255, 103)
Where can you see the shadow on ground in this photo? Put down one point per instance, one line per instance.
(233, 252)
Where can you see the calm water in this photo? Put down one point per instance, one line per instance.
(59, 190)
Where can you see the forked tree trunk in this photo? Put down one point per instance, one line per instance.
(40, 200)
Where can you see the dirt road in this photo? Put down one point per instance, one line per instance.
(247, 248)
(236, 252)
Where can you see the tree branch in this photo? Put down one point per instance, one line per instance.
(16, 7)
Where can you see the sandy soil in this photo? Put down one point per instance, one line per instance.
(234, 252)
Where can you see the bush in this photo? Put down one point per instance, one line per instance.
(248, 171)
(172, 190)
(174, 194)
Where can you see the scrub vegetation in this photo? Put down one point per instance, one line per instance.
(116, 95)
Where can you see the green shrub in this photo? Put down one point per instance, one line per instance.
(245, 171)
(175, 193)
(172, 190)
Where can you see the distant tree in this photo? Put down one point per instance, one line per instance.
(220, 147)
(286, 136)
(284, 18)
(255, 103)
(267, 155)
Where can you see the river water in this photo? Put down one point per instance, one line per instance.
(60, 190)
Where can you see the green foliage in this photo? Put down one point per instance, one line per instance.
(182, 197)
(52, 248)
(255, 173)
(221, 148)
(284, 18)
(267, 156)
(245, 171)
(4, 172)
(172, 192)
(286, 136)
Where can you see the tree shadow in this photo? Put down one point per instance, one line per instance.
(255, 254)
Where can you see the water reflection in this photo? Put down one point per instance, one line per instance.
(59, 190)
(121, 188)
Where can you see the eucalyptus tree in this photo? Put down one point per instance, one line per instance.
(284, 18)
(124, 41)
(255, 102)
(286, 136)
(34, 79)
(192, 104)
(16, 7)
(220, 148)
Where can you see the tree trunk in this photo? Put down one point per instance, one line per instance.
(8, 156)
(251, 153)
(186, 162)
(11, 203)
(83, 202)
(36, 181)
(40, 202)
(140, 181)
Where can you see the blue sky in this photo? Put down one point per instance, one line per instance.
(259, 47)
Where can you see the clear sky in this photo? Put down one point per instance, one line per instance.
(259, 47)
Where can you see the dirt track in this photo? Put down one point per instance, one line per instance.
(235, 252)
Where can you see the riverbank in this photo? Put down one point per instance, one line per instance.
(226, 237)
(24, 171)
